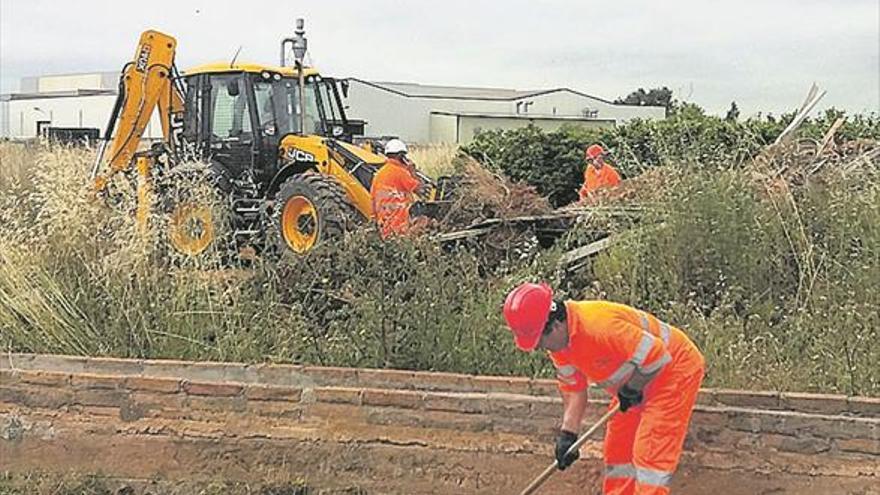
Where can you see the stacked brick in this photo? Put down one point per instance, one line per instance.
(838, 435)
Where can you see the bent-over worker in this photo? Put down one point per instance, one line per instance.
(650, 368)
(393, 190)
(599, 173)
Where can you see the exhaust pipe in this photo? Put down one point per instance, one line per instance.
(299, 43)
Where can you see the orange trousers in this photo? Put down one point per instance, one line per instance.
(644, 444)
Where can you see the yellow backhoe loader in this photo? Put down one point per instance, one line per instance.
(276, 141)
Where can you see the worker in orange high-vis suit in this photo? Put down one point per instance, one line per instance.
(393, 190)
(598, 173)
(650, 368)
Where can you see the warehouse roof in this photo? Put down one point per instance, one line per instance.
(415, 90)
(437, 91)
(57, 94)
(521, 116)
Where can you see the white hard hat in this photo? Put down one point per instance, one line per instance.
(395, 146)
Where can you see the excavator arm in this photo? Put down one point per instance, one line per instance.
(146, 83)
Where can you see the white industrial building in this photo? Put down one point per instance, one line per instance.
(67, 100)
(414, 112)
(433, 114)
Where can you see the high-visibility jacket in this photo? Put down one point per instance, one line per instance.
(595, 179)
(392, 194)
(608, 342)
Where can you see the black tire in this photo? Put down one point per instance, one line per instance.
(296, 228)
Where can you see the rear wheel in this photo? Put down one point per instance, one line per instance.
(309, 209)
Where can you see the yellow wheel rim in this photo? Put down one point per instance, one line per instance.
(191, 228)
(299, 224)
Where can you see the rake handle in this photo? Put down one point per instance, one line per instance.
(537, 482)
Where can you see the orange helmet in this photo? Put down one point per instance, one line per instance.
(594, 150)
(526, 310)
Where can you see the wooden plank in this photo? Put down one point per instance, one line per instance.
(813, 98)
(462, 234)
(559, 221)
(829, 136)
(582, 252)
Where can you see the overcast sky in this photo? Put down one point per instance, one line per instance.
(764, 54)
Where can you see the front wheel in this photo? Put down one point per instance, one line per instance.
(194, 222)
(310, 208)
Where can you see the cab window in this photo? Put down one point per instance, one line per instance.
(328, 101)
(313, 116)
(230, 117)
(270, 123)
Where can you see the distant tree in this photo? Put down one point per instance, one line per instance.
(732, 113)
(660, 97)
(685, 110)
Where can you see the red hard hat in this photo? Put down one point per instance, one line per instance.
(526, 310)
(594, 151)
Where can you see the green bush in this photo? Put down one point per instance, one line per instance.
(780, 291)
(553, 161)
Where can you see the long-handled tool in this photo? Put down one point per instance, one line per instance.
(574, 448)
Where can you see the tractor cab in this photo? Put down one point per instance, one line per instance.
(239, 114)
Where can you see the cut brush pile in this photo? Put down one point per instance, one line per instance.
(484, 210)
(482, 194)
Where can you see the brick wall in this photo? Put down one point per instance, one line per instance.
(50, 402)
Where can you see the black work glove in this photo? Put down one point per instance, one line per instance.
(564, 442)
(418, 209)
(628, 397)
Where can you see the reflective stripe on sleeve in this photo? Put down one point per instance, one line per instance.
(626, 369)
(565, 374)
(643, 349)
(566, 370)
(665, 330)
(654, 478)
(656, 365)
(390, 207)
(390, 194)
(618, 376)
(620, 471)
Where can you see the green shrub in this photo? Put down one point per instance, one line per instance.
(553, 161)
(780, 291)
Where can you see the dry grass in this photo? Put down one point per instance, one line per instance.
(47, 218)
(76, 278)
(778, 294)
(15, 160)
(434, 160)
